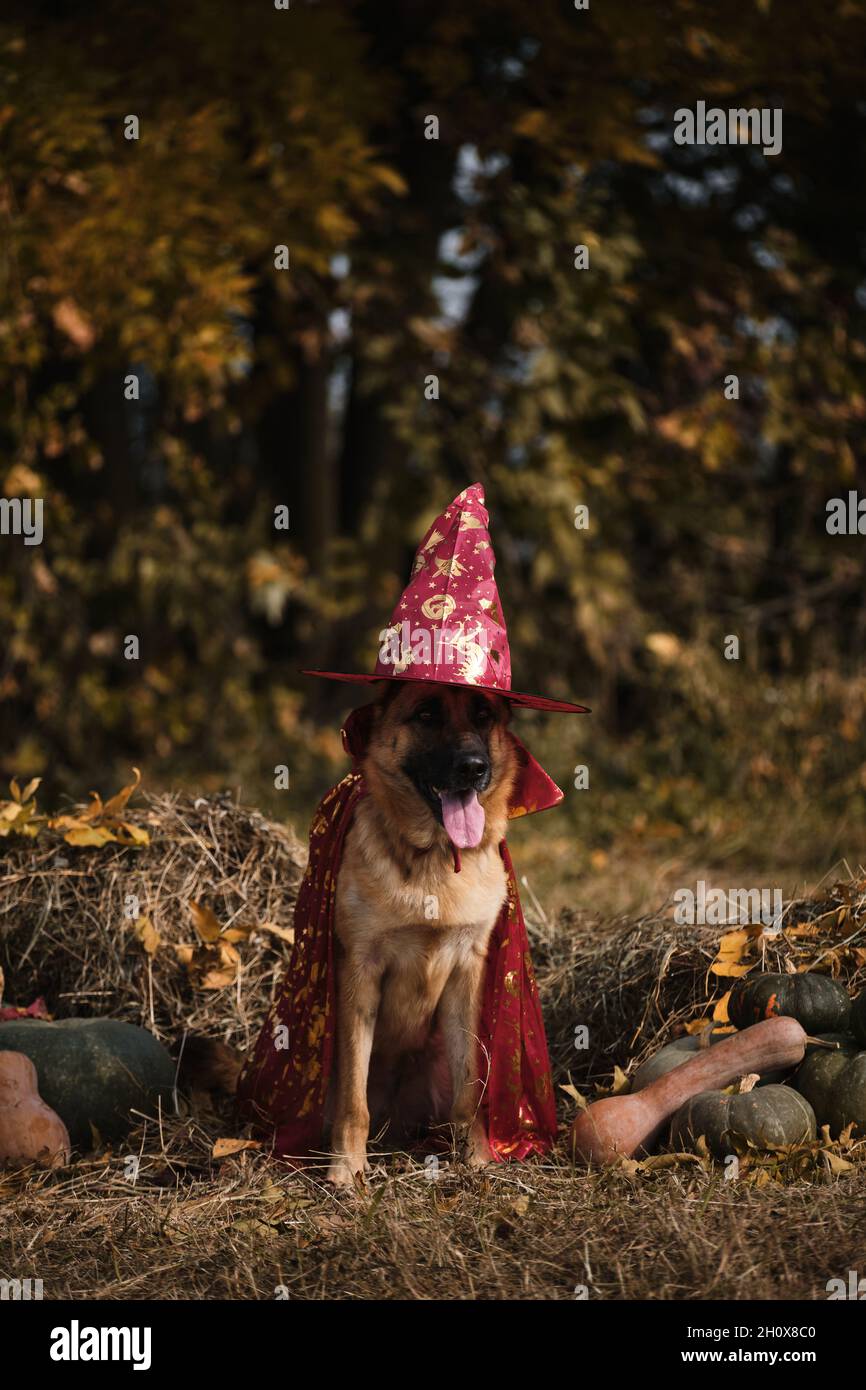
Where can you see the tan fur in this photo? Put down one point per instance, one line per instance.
(412, 939)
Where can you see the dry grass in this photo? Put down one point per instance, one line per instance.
(189, 1226)
(247, 1229)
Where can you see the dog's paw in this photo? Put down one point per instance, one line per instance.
(348, 1173)
(471, 1145)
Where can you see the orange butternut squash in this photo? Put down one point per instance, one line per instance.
(30, 1132)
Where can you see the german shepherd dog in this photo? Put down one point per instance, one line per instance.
(411, 934)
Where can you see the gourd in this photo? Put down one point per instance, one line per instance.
(621, 1125)
(94, 1071)
(819, 1004)
(673, 1054)
(770, 1117)
(834, 1083)
(30, 1132)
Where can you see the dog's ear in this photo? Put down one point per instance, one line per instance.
(356, 731)
(358, 726)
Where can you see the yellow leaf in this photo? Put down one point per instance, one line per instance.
(148, 935)
(698, 1025)
(237, 933)
(226, 1148)
(835, 1162)
(116, 804)
(132, 834)
(720, 1012)
(205, 922)
(89, 835)
(30, 788)
(214, 967)
(94, 810)
(728, 970)
(580, 1101)
(284, 933)
(670, 1160)
(731, 950)
(620, 1081)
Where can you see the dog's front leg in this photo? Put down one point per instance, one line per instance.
(358, 993)
(459, 1012)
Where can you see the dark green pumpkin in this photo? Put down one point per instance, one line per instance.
(858, 1018)
(94, 1071)
(681, 1050)
(770, 1117)
(834, 1083)
(819, 1004)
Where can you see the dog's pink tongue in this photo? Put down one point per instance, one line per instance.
(463, 818)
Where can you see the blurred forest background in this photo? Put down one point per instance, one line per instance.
(558, 387)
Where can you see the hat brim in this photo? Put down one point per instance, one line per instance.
(516, 697)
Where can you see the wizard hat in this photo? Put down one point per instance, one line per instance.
(448, 626)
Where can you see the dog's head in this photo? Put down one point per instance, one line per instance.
(440, 756)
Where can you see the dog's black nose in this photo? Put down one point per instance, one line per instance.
(471, 768)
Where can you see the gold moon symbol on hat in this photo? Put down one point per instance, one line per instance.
(438, 606)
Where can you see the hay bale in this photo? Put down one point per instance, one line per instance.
(65, 932)
(630, 983)
(636, 984)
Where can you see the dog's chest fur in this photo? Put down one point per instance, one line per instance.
(412, 921)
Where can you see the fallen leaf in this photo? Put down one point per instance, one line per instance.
(117, 803)
(284, 933)
(148, 935)
(733, 945)
(205, 922)
(89, 835)
(720, 1012)
(620, 1081)
(580, 1101)
(227, 1148)
(835, 1162)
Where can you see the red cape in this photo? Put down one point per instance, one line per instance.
(284, 1083)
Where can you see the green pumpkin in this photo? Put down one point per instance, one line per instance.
(834, 1083)
(819, 1004)
(858, 1018)
(681, 1050)
(771, 1117)
(94, 1071)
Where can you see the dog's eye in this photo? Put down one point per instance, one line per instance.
(483, 714)
(425, 714)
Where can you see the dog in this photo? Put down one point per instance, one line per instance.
(411, 933)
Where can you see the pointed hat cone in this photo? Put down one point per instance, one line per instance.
(448, 626)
